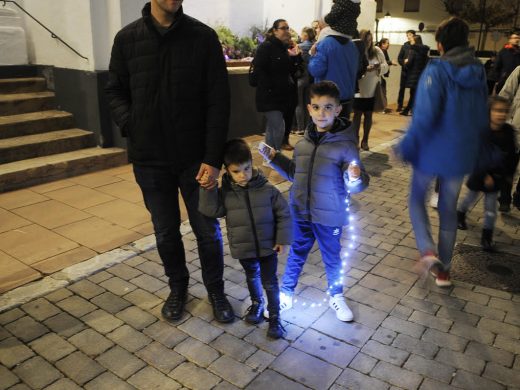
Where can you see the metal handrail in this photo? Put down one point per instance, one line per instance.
(41, 24)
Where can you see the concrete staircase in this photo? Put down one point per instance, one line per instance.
(38, 143)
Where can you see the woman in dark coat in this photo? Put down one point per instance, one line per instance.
(415, 64)
(276, 66)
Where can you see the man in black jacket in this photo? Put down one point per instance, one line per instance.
(507, 60)
(169, 95)
(403, 54)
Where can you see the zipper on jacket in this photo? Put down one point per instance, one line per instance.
(309, 178)
(253, 225)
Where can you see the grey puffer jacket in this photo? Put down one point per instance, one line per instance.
(318, 171)
(257, 216)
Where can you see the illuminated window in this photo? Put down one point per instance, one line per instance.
(412, 5)
(379, 6)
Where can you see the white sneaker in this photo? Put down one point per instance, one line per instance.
(286, 302)
(434, 200)
(338, 304)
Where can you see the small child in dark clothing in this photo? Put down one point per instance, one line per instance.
(258, 223)
(490, 182)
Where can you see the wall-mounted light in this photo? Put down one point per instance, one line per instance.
(387, 15)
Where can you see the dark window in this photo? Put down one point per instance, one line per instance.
(412, 5)
(379, 6)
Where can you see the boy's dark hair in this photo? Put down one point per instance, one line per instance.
(496, 99)
(237, 151)
(410, 32)
(324, 88)
(451, 33)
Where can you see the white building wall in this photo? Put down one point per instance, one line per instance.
(71, 21)
(431, 13)
(89, 26)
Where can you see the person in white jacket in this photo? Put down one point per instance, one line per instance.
(511, 91)
(364, 99)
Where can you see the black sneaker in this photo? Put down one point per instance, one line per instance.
(504, 208)
(275, 329)
(461, 220)
(222, 309)
(255, 313)
(516, 200)
(173, 308)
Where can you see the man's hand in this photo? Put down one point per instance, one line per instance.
(207, 176)
(280, 249)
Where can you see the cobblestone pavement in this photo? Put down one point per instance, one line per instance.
(105, 331)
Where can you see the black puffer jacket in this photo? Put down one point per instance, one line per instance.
(417, 60)
(319, 174)
(169, 94)
(257, 216)
(276, 71)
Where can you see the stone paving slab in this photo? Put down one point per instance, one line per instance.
(98, 325)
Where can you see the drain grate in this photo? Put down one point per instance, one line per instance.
(494, 270)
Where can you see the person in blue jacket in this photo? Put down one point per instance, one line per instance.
(443, 140)
(336, 58)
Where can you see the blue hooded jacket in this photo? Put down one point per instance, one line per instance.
(450, 116)
(337, 60)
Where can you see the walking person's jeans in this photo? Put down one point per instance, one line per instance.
(449, 189)
(160, 186)
(305, 233)
(275, 129)
(263, 269)
(490, 206)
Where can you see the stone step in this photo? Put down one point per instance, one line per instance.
(34, 123)
(21, 174)
(22, 85)
(37, 145)
(20, 103)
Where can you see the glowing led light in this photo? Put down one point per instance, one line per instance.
(351, 218)
(351, 246)
(351, 228)
(344, 263)
(303, 304)
(354, 237)
(313, 305)
(295, 300)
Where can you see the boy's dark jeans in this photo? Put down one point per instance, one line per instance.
(305, 233)
(262, 272)
(160, 187)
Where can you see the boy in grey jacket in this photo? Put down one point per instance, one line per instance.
(325, 170)
(258, 224)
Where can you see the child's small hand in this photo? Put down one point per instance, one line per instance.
(266, 151)
(489, 182)
(280, 249)
(354, 172)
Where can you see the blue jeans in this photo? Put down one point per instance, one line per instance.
(449, 189)
(274, 129)
(262, 272)
(490, 206)
(305, 233)
(160, 187)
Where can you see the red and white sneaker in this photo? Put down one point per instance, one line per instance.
(442, 279)
(428, 262)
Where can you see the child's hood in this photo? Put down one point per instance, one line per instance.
(342, 131)
(257, 180)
